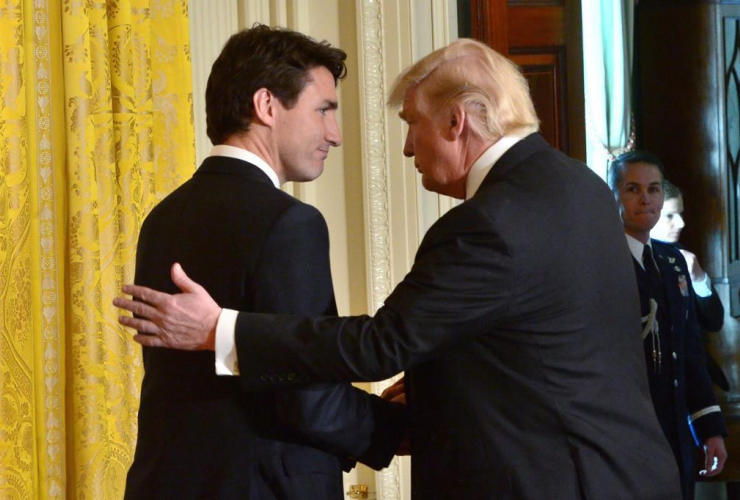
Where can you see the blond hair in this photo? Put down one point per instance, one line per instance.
(490, 87)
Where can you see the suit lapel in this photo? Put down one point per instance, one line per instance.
(672, 277)
(667, 265)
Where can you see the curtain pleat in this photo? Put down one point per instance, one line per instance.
(96, 127)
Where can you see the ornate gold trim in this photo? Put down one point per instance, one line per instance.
(47, 251)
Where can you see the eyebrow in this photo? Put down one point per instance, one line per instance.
(634, 183)
(331, 104)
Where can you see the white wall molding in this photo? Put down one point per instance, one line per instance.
(384, 48)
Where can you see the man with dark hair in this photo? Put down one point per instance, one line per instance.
(271, 106)
(517, 325)
(679, 383)
(710, 313)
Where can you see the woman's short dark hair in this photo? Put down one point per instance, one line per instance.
(619, 166)
(277, 59)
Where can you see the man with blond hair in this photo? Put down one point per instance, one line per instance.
(518, 325)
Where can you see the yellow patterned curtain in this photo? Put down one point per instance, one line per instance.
(95, 127)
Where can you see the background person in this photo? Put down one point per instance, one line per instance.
(679, 383)
(709, 310)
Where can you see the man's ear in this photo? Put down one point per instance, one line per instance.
(456, 124)
(264, 106)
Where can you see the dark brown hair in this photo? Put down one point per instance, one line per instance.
(277, 59)
(618, 167)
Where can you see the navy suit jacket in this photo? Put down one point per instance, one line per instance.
(683, 386)
(519, 330)
(200, 436)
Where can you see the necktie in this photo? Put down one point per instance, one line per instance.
(656, 281)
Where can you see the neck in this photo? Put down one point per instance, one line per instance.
(473, 149)
(476, 148)
(642, 237)
(254, 142)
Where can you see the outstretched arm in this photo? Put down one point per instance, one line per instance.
(458, 289)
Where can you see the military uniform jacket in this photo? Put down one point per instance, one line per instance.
(680, 386)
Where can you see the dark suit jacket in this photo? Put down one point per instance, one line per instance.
(200, 436)
(710, 314)
(682, 386)
(519, 328)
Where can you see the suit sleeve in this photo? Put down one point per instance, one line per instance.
(699, 392)
(294, 276)
(458, 288)
(709, 312)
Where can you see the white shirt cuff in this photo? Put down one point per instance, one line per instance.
(226, 360)
(703, 288)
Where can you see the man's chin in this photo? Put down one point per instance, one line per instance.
(311, 175)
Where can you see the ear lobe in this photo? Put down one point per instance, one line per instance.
(457, 121)
(264, 106)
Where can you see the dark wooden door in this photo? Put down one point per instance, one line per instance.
(544, 38)
(687, 66)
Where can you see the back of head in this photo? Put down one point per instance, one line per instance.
(490, 87)
(671, 190)
(618, 167)
(277, 59)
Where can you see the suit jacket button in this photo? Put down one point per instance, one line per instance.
(675, 356)
(675, 383)
(264, 378)
(291, 377)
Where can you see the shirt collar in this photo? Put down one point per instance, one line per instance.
(248, 156)
(637, 247)
(485, 162)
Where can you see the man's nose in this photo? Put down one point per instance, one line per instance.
(679, 222)
(333, 135)
(408, 148)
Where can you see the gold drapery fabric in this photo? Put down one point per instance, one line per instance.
(95, 127)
